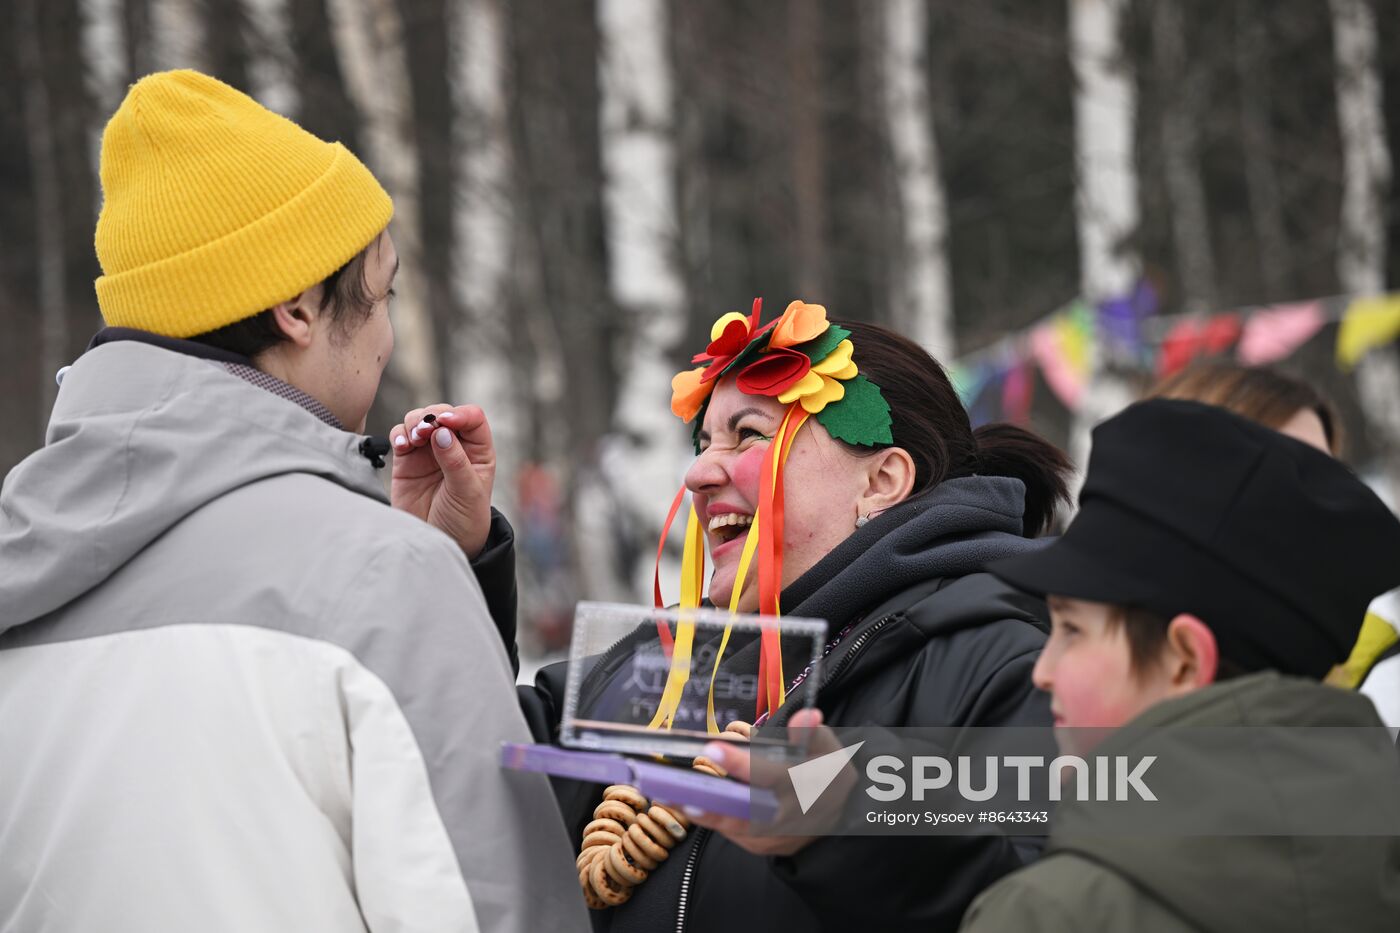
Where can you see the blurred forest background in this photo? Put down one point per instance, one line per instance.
(582, 186)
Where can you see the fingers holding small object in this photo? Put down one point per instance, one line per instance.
(674, 823)
(424, 428)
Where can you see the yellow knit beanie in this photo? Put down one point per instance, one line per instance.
(215, 208)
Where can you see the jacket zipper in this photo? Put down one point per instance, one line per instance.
(860, 642)
(702, 836)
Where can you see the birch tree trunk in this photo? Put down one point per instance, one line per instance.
(645, 455)
(176, 35)
(484, 371)
(1362, 244)
(1179, 79)
(924, 305)
(104, 43)
(1106, 203)
(270, 54)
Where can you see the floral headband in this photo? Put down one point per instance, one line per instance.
(800, 357)
(805, 362)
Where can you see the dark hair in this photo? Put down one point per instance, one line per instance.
(1146, 632)
(1257, 393)
(345, 292)
(930, 422)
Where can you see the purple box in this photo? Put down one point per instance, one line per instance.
(663, 783)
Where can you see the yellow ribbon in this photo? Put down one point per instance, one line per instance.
(692, 582)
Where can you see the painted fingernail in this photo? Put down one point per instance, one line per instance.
(443, 438)
(715, 751)
(693, 812)
(420, 431)
(400, 442)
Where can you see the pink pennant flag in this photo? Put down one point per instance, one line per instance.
(1274, 333)
(1016, 394)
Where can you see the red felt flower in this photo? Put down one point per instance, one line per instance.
(730, 343)
(774, 373)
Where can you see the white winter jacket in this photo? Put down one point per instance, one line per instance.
(238, 691)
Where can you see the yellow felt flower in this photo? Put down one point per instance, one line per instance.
(822, 384)
(724, 321)
(689, 392)
(800, 323)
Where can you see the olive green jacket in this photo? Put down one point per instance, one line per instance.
(1222, 884)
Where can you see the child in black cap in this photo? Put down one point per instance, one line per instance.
(1216, 570)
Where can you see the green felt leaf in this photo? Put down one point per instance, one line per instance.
(862, 417)
(820, 347)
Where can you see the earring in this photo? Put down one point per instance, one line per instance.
(861, 521)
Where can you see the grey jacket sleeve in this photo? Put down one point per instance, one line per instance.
(417, 621)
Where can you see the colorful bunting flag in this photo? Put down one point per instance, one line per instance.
(1274, 333)
(1063, 347)
(1193, 337)
(1367, 324)
(1120, 319)
(969, 381)
(1016, 394)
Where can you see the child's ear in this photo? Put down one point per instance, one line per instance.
(1192, 655)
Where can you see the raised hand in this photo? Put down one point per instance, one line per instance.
(444, 468)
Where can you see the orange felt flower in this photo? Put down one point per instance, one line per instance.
(800, 323)
(689, 390)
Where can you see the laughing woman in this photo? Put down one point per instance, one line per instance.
(892, 507)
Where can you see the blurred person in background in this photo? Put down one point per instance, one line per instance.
(239, 691)
(1293, 407)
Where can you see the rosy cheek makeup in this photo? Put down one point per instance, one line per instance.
(745, 472)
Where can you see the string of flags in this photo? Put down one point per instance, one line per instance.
(998, 381)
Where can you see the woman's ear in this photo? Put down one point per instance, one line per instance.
(889, 480)
(1192, 656)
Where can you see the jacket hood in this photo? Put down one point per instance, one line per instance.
(954, 530)
(139, 438)
(1241, 884)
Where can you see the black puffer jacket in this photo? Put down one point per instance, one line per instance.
(935, 642)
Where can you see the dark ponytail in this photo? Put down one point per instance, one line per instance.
(1007, 450)
(930, 422)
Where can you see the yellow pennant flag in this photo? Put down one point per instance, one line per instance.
(1368, 323)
